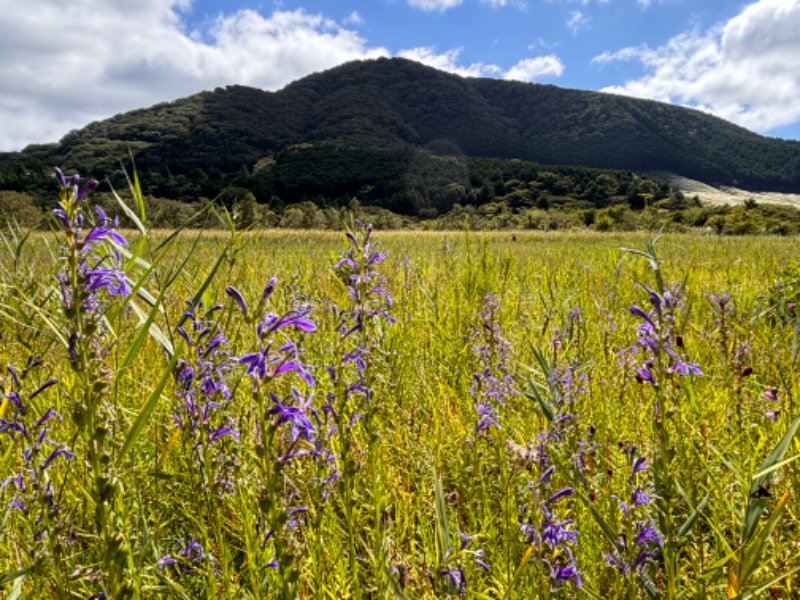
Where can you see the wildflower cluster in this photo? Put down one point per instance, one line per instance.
(189, 559)
(639, 543)
(283, 428)
(203, 393)
(553, 537)
(93, 265)
(35, 487)
(492, 383)
(450, 574)
(359, 329)
(92, 280)
(542, 519)
(658, 339)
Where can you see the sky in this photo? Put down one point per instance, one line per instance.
(67, 63)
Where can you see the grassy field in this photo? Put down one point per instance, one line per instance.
(397, 415)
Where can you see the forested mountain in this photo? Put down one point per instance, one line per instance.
(378, 128)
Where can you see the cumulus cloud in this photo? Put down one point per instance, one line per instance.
(82, 61)
(528, 69)
(533, 69)
(746, 70)
(440, 5)
(448, 61)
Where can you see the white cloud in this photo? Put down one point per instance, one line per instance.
(529, 69)
(67, 64)
(542, 43)
(440, 5)
(746, 70)
(82, 61)
(577, 20)
(354, 19)
(448, 61)
(501, 3)
(533, 69)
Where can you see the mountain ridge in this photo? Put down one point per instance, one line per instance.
(405, 106)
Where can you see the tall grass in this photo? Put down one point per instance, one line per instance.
(300, 414)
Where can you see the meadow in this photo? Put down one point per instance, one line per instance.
(376, 414)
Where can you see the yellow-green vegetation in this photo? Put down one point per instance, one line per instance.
(488, 415)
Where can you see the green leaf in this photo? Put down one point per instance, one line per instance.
(148, 407)
(16, 591)
(776, 466)
(689, 523)
(209, 278)
(765, 586)
(127, 210)
(755, 506)
(9, 577)
(754, 552)
(442, 520)
(534, 394)
(147, 327)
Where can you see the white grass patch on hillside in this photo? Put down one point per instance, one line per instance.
(710, 195)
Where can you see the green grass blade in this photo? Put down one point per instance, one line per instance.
(128, 211)
(14, 575)
(755, 506)
(776, 466)
(692, 519)
(209, 278)
(525, 560)
(754, 552)
(765, 586)
(147, 327)
(147, 408)
(442, 520)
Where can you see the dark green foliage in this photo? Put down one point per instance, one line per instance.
(408, 138)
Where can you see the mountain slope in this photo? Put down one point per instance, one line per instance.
(401, 105)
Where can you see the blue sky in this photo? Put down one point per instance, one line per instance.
(67, 64)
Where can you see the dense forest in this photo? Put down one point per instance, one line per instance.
(398, 136)
(324, 186)
(399, 104)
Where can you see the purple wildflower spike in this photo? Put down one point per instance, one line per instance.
(238, 298)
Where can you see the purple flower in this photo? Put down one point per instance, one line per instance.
(43, 387)
(562, 573)
(301, 425)
(486, 417)
(685, 368)
(639, 465)
(104, 230)
(238, 298)
(61, 451)
(647, 534)
(545, 477)
(223, 431)
(465, 539)
(568, 491)
(639, 497)
(456, 578)
(193, 550)
(638, 312)
(771, 395)
(644, 374)
(555, 533)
